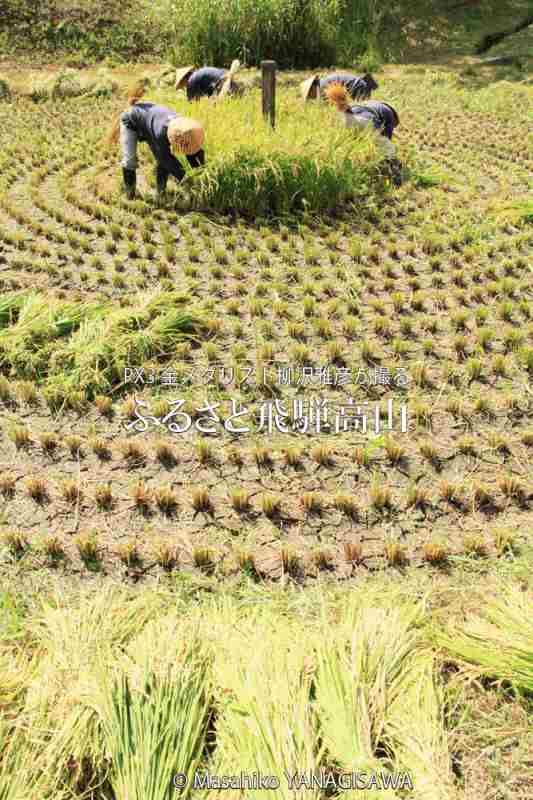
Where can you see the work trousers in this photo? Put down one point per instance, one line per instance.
(362, 123)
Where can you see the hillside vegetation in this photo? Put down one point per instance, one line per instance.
(302, 33)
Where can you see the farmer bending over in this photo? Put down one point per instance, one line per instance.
(381, 117)
(358, 87)
(208, 81)
(167, 135)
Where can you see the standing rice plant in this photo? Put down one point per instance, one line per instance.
(296, 33)
(358, 26)
(255, 170)
(416, 734)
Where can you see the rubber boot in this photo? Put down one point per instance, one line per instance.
(130, 182)
(161, 177)
(395, 166)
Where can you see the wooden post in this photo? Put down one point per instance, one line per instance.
(268, 70)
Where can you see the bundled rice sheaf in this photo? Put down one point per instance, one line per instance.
(361, 667)
(416, 733)
(13, 786)
(497, 640)
(68, 84)
(85, 347)
(157, 730)
(123, 689)
(266, 722)
(27, 345)
(10, 305)
(63, 710)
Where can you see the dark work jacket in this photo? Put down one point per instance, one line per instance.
(356, 86)
(204, 82)
(383, 117)
(150, 123)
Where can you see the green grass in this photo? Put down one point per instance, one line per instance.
(86, 32)
(296, 33)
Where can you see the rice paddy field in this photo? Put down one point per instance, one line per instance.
(286, 393)
(262, 347)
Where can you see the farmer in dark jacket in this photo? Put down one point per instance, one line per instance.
(167, 135)
(359, 87)
(380, 117)
(207, 81)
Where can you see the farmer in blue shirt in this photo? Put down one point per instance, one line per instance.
(359, 87)
(380, 117)
(167, 135)
(208, 81)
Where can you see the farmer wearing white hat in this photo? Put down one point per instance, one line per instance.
(167, 134)
(359, 87)
(208, 81)
(379, 117)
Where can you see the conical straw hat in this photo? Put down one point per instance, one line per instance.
(181, 76)
(307, 85)
(235, 66)
(186, 136)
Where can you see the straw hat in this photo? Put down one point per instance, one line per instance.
(181, 76)
(226, 86)
(307, 86)
(186, 136)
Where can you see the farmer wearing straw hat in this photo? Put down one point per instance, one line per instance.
(208, 81)
(167, 135)
(379, 117)
(359, 87)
